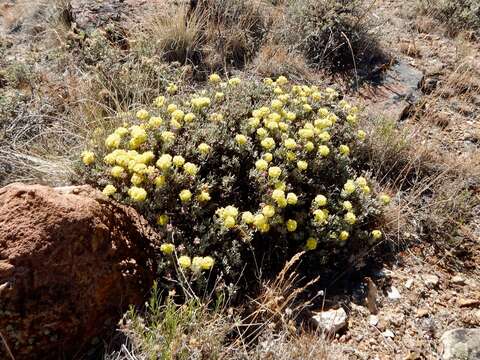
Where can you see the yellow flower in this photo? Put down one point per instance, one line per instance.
(290, 116)
(323, 150)
(268, 211)
(324, 136)
(311, 243)
(278, 194)
(361, 135)
(167, 136)
(184, 261)
(136, 179)
(366, 189)
(190, 169)
(306, 133)
(204, 196)
(385, 199)
(349, 187)
(217, 117)
(292, 199)
(159, 101)
(274, 172)
(290, 144)
(264, 228)
(347, 205)
(283, 126)
(159, 181)
(241, 139)
(167, 249)
(247, 217)
(291, 156)
(261, 165)
(171, 108)
(343, 235)
(271, 125)
(164, 162)
(229, 222)
(121, 131)
(172, 88)
(88, 157)
(178, 160)
(280, 185)
(145, 157)
(344, 150)
(204, 148)
(234, 81)
(185, 195)
(113, 141)
(155, 121)
(302, 165)
(309, 146)
(109, 190)
(201, 102)
(291, 225)
(178, 115)
(189, 117)
(282, 80)
(142, 114)
(230, 211)
(352, 119)
(268, 157)
(261, 132)
(320, 200)
(137, 194)
(268, 81)
(162, 220)
(276, 104)
(117, 171)
(307, 108)
(268, 143)
(138, 133)
(259, 220)
(214, 78)
(361, 181)
(254, 122)
(207, 263)
(219, 96)
(376, 234)
(350, 218)
(320, 216)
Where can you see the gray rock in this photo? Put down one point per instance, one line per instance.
(393, 293)
(431, 281)
(331, 321)
(388, 334)
(458, 280)
(461, 344)
(373, 320)
(397, 93)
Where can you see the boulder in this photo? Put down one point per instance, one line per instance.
(461, 344)
(71, 262)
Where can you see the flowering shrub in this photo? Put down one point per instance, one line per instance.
(243, 168)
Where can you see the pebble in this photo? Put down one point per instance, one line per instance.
(409, 283)
(388, 334)
(422, 312)
(373, 320)
(393, 293)
(431, 281)
(331, 321)
(458, 280)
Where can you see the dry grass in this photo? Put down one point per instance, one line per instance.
(214, 330)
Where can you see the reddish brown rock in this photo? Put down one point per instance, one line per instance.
(71, 262)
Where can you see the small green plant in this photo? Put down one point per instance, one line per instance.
(243, 170)
(457, 15)
(334, 35)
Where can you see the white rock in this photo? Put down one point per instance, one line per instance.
(430, 280)
(409, 283)
(388, 334)
(461, 344)
(331, 321)
(393, 293)
(458, 280)
(373, 320)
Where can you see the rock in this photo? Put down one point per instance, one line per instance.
(393, 293)
(462, 302)
(331, 321)
(431, 281)
(71, 261)
(458, 280)
(373, 320)
(397, 93)
(461, 344)
(422, 312)
(388, 334)
(409, 283)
